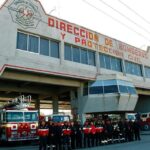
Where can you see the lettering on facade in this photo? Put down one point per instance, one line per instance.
(98, 42)
(24, 13)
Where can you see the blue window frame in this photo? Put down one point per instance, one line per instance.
(22, 41)
(54, 47)
(84, 56)
(91, 58)
(33, 44)
(44, 46)
(76, 54)
(68, 52)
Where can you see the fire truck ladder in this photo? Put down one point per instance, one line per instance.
(20, 102)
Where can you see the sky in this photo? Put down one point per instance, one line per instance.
(114, 18)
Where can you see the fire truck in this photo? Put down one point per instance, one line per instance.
(18, 122)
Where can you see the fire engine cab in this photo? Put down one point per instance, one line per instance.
(18, 121)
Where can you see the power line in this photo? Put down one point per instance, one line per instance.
(132, 10)
(139, 26)
(118, 21)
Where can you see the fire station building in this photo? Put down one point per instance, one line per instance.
(66, 66)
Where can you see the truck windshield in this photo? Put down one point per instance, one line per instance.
(60, 118)
(31, 116)
(14, 116)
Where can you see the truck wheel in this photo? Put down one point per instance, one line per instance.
(146, 127)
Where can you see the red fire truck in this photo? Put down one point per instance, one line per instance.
(18, 122)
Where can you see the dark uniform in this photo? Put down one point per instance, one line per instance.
(136, 129)
(86, 131)
(73, 135)
(43, 134)
(79, 131)
(66, 133)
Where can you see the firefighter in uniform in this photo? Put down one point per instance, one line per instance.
(86, 131)
(66, 133)
(79, 131)
(73, 134)
(99, 130)
(43, 134)
(92, 133)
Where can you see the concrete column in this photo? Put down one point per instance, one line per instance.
(123, 67)
(61, 52)
(81, 114)
(37, 105)
(97, 62)
(55, 105)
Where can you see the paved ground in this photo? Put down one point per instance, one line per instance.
(144, 144)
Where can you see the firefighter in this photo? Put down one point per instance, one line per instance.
(66, 133)
(86, 131)
(58, 136)
(99, 130)
(73, 134)
(79, 131)
(92, 133)
(43, 134)
(136, 129)
(50, 134)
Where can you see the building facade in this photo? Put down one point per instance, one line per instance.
(102, 74)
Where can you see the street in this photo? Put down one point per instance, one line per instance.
(136, 145)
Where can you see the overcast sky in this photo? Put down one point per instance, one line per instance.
(80, 12)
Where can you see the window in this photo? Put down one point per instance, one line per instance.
(147, 72)
(68, 52)
(123, 89)
(31, 116)
(76, 54)
(133, 68)
(110, 62)
(84, 58)
(54, 49)
(33, 44)
(91, 58)
(44, 46)
(107, 62)
(21, 41)
(102, 61)
(14, 116)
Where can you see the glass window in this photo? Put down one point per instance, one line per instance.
(147, 72)
(33, 44)
(54, 47)
(131, 90)
(111, 89)
(44, 46)
(21, 41)
(68, 52)
(31, 116)
(107, 62)
(91, 58)
(96, 90)
(133, 68)
(115, 64)
(14, 116)
(84, 58)
(109, 82)
(76, 54)
(96, 83)
(123, 89)
(102, 61)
